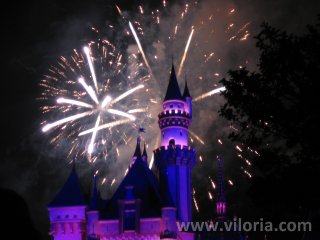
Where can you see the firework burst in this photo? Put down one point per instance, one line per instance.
(92, 90)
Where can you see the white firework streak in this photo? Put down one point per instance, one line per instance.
(210, 93)
(93, 74)
(185, 53)
(107, 125)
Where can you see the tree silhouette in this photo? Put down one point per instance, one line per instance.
(277, 111)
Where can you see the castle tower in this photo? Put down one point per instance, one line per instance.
(67, 211)
(221, 204)
(175, 158)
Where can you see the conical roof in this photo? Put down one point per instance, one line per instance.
(71, 193)
(173, 90)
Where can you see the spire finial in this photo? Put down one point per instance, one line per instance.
(137, 152)
(221, 198)
(144, 154)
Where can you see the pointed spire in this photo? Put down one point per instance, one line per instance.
(173, 90)
(186, 92)
(71, 193)
(221, 198)
(144, 154)
(95, 196)
(137, 152)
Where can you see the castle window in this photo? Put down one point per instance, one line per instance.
(58, 217)
(75, 216)
(171, 106)
(67, 216)
(180, 133)
(129, 218)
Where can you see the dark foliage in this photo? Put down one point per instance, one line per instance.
(277, 111)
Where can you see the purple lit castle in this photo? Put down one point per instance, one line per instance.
(144, 206)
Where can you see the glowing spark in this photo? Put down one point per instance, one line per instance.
(212, 183)
(210, 195)
(103, 181)
(246, 172)
(185, 53)
(64, 120)
(208, 94)
(152, 158)
(118, 152)
(230, 182)
(74, 102)
(89, 90)
(113, 181)
(93, 74)
(196, 136)
(119, 10)
(200, 158)
(219, 141)
(94, 133)
(141, 9)
(238, 148)
(107, 125)
(140, 47)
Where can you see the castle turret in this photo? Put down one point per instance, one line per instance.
(67, 211)
(188, 99)
(221, 204)
(175, 159)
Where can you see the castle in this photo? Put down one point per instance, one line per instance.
(144, 206)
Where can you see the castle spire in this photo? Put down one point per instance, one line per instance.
(173, 90)
(186, 93)
(137, 152)
(221, 204)
(144, 154)
(95, 196)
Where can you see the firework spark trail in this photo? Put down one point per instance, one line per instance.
(138, 110)
(197, 137)
(89, 90)
(185, 52)
(65, 120)
(120, 113)
(107, 125)
(208, 94)
(93, 137)
(74, 102)
(152, 158)
(93, 74)
(140, 47)
(127, 93)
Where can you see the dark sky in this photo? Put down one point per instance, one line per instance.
(34, 34)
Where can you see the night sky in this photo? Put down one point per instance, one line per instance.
(35, 33)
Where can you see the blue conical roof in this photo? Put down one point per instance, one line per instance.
(173, 90)
(186, 92)
(145, 187)
(71, 193)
